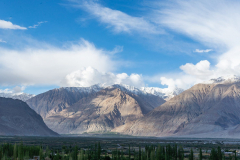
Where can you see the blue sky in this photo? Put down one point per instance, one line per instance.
(47, 44)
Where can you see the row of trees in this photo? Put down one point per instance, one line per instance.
(22, 152)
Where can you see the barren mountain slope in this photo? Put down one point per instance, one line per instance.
(69, 112)
(201, 109)
(99, 112)
(17, 118)
(57, 100)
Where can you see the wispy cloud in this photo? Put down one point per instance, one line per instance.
(8, 25)
(117, 49)
(213, 23)
(2, 41)
(203, 51)
(117, 20)
(36, 25)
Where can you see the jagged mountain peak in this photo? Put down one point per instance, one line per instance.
(224, 79)
(165, 93)
(21, 96)
(93, 88)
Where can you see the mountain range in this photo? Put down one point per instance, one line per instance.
(165, 93)
(75, 110)
(210, 109)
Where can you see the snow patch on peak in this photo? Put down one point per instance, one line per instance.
(224, 79)
(93, 88)
(21, 96)
(164, 93)
(128, 88)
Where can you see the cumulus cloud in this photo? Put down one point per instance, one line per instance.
(50, 64)
(178, 81)
(191, 74)
(117, 20)
(88, 76)
(200, 70)
(36, 25)
(8, 25)
(203, 51)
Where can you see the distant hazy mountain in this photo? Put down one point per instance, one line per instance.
(17, 118)
(75, 110)
(209, 110)
(21, 96)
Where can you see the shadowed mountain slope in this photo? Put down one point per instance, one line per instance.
(17, 118)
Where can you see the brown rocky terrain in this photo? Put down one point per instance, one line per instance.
(207, 110)
(70, 111)
(17, 118)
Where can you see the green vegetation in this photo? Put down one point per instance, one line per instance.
(86, 148)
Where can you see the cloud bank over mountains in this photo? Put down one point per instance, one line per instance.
(50, 64)
(89, 76)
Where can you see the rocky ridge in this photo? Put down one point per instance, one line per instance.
(205, 110)
(76, 110)
(17, 118)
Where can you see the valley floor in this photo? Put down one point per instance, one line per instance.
(110, 144)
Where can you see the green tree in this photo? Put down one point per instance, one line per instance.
(200, 154)
(152, 155)
(219, 153)
(99, 150)
(129, 152)
(180, 153)
(191, 155)
(15, 152)
(41, 154)
(1, 152)
(213, 155)
(20, 151)
(139, 153)
(75, 153)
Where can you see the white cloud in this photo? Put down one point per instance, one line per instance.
(36, 25)
(192, 74)
(16, 89)
(213, 23)
(49, 65)
(88, 76)
(2, 41)
(9, 25)
(203, 51)
(200, 70)
(117, 20)
(117, 49)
